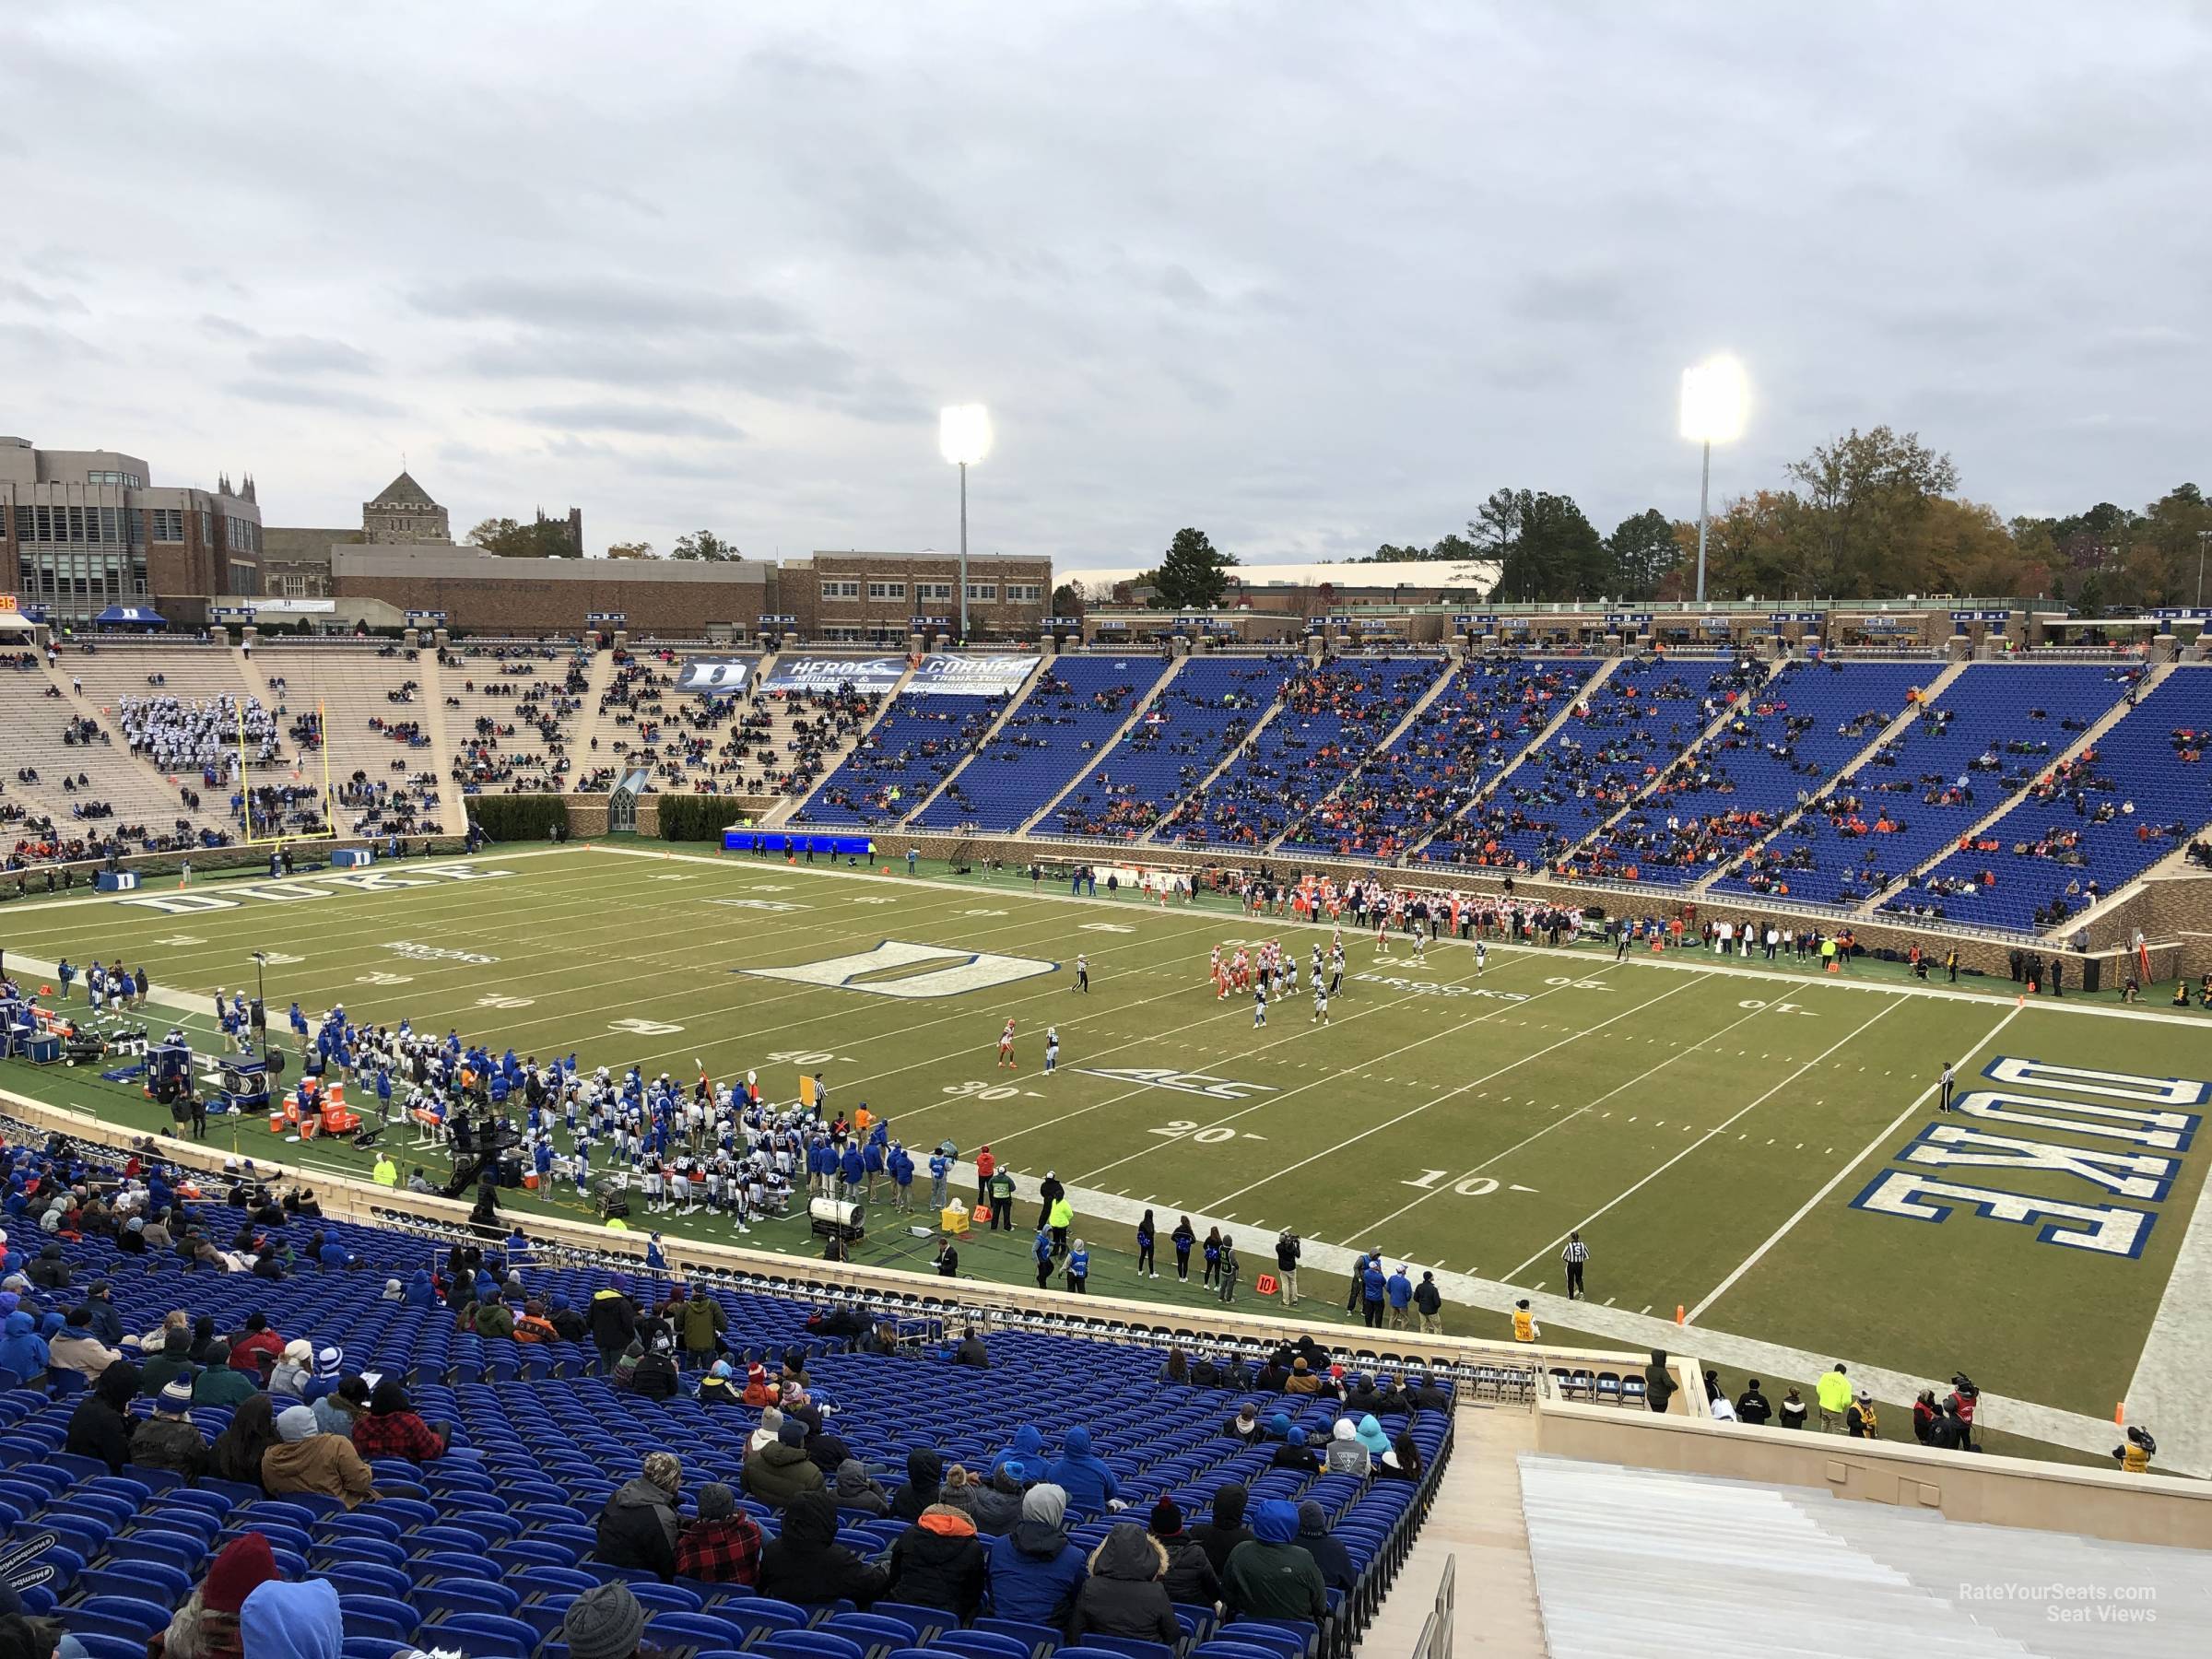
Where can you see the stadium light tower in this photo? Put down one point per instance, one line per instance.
(963, 438)
(1714, 394)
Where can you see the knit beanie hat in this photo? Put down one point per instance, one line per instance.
(175, 1398)
(244, 1563)
(1166, 1519)
(603, 1623)
(1047, 1503)
(664, 1469)
(298, 1351)
(716, 1501)
(792, 1432)
(329, 1359)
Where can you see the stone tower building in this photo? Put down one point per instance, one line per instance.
(403, 512)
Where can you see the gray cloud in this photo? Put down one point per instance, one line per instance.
(338, 399)
(652, 420)
(307, 354)
(1270, 270)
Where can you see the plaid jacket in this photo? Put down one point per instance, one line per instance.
(720, 1552)
(401, 1434)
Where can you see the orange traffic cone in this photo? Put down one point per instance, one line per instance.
(1679, 1317)
(2120, 1414)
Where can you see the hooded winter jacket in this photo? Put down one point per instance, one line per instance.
(996, 1504)
(1034, 1569)
(856, 1489)
(1226, 1529)
(1027, 1448)
(781, 1472)
(1269, 1576)
(939, 1562)
(638, 1528)
(1190, 1578)
(1329, 1553)
(925, 1484)
(1126, 1593)
(614, 1319)
(808, 1565)
(1084, 1476)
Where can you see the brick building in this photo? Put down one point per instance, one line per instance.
(83, 529)
(834, 598)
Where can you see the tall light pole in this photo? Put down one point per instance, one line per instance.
(2204, 539)
(964, 437)
(1714, 394)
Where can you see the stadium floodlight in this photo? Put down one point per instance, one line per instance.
(1715, 397)
(963, 439)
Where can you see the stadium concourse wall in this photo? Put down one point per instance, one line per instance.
(986, 1302)
(2010, 1491)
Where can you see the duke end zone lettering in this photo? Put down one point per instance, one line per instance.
(2152, 1134)
(315, 887)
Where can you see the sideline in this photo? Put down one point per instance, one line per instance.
(1690, 960)
(227, 887)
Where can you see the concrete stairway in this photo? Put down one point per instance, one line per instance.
(1107, 748)
(1028, 685)
(1420, 707)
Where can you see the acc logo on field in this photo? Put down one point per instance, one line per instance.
(884, 972)
(1182, 1082)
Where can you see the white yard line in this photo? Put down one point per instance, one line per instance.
(1371, 1228)
(1571, 1037)
(1871, 1147)
(1721, 1128)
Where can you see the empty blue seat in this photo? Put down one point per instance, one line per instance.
(480, 1635)
(378, 1616)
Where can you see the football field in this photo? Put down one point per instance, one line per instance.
(1759, 1145)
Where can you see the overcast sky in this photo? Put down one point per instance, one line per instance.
(1310, 276)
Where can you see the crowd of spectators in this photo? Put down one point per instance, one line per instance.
(1195, 722)
(918, 741)
(197, 735)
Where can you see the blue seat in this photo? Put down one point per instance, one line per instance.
(982, 1644)
(926, 1623)
(100, 1644)
(1037, 1640)
(1130, 1647)
(149, 1581)
(118, 1615)
(875, 1634)
(367, 1578)
(699, 1630)
(480, 1635)
(378, 1616)
(465, 1596)
(761, 1617)
(365, 1647)
(807, 1644)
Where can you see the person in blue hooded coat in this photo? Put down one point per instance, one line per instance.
(420, 1292)
(281, 1620)
(1373, 1439)
(1083, 1475)
(1034, 1570)
(1024, 1453)
(22, 1349)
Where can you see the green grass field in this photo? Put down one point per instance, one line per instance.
(1707, 1127)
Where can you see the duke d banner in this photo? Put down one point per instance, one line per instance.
(706, 676)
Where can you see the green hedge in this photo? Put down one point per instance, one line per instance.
(519, 818)
(691, 818)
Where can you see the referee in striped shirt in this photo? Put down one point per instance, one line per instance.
(1574, 1255)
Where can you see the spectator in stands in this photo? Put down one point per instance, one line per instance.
(22, 1350)
(638, 1526)
(168, 1440)
(1025, 1449)
(107, 1323)
(856, 1489)
(1081, 1473)
(171, 1361)
(49, 1271)
(1126, 1594)
(257, 1349)
(567, 1322)
(614, 1321)
(218, 1385)
(1346, 1454)
(75, 1348)
(780, 1473)
(1374, 1440)
(605, 1622)
(1403, 1459)
(343, 1407)
(972, 1352)
(722, 1546)
(1034, 1569)
(238, 1450)
(924, 1485)
(1268, 1576)
(392, 1427)
(205, 1625)
(100, 1426)
(1190, 1577)
(307, 1460)
(808, 1565)
(939, 1562)
(1220, 1535)
(281, 1620)
(1245, 1426)
(1329, 1553)
(294, 1370)
(1294, 1454)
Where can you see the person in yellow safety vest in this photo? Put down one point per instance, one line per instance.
(616, 1224)
(1833, 1390)
(1060, 1220)
(2135, 1457)
(386, 1172)
(1524, 1323)
(1859, 1421)
(1827, 955)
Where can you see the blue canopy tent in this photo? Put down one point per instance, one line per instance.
(131, 616)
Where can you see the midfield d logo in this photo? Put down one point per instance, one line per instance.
(896, 967)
